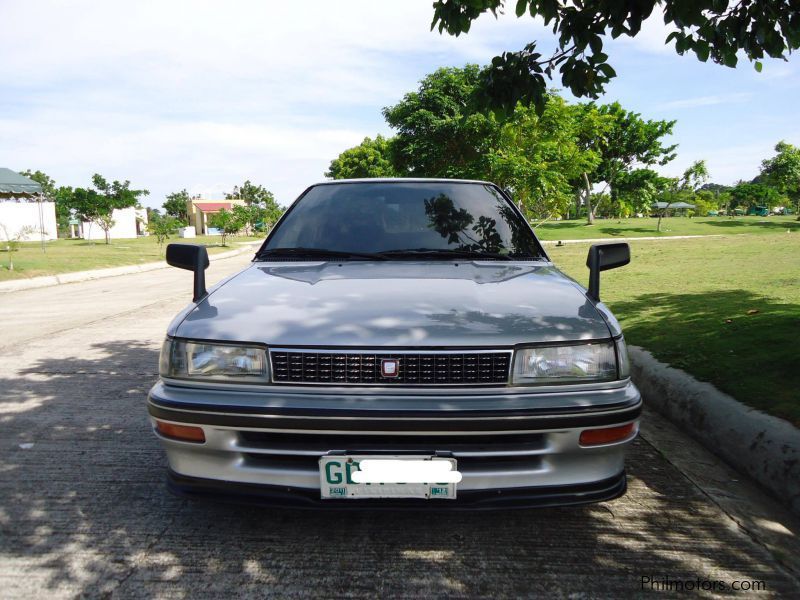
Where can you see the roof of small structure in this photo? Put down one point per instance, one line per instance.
(13, 184)
(208, 207)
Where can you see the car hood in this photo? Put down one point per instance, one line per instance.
(395, 303)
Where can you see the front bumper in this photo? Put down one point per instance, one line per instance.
(514, 448)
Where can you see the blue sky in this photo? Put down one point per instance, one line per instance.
(203, 95)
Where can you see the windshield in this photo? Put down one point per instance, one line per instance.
(397, 218)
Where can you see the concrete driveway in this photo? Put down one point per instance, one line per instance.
(83, 509)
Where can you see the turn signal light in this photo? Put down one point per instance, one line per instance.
(184, 433)
(607, 435)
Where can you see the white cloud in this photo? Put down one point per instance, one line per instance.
(705, 101)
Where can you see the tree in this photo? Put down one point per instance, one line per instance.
(546, 157)
(161, 227)
(63, 201)
(97, 205)
(371, 158)
(537, 157)
(113, 196)
(745, 195)
(637, 190)
(263, 209)
(628, 142)
(227, 222)
(715, 188)
(694, 177)
(106, 223)
(175, 205)
(683, 188)
(705, 201)
(782, 172)
(59, 195)
(251, 194)
(248, 216)
(710, 28)
(87, 205)
(439, 134)
(12, 242)
(48, 183)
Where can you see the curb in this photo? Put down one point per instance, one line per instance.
(629, 239)
(764, 447)
(17, 285)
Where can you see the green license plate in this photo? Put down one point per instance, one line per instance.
(390, 476)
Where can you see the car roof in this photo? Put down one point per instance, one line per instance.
(403, 180)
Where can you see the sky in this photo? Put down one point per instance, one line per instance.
(204, 95)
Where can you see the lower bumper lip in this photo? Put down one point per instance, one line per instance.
(299, 498)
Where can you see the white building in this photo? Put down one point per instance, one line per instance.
(21, 215)
(128, 223)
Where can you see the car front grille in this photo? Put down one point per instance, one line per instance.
(480, 367)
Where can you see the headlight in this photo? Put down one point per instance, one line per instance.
(565, 364)
(214, 362)
(622, 359)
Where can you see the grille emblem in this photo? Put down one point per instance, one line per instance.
(390, 367)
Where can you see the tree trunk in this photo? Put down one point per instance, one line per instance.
(589, 211)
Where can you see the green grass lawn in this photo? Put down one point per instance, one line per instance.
(579, 230)
(65, 256)
(726, 310)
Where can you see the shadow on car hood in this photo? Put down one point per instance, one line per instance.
(396, 303)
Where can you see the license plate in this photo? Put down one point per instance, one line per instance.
(383, 476)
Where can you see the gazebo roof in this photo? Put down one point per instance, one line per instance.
(662, 205)
(12, 184)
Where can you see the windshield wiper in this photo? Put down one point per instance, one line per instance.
(318, 252)
(449, 253)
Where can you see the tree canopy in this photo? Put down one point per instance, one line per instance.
(545, 158)
(175, 205)
(538, 157)
(227, 222)
(43, 179)
(711, 29)
(261, 210)
(782, 171)
(626, 141)
(439, 134)
(251, 193)
(746, 194)
(161, 226)
(371, 158)
(97, 204)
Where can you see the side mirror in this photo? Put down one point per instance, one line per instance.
(603, 258)
(192, 258)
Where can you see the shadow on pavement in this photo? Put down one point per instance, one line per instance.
(84, 512)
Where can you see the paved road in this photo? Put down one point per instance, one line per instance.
(83, 511)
